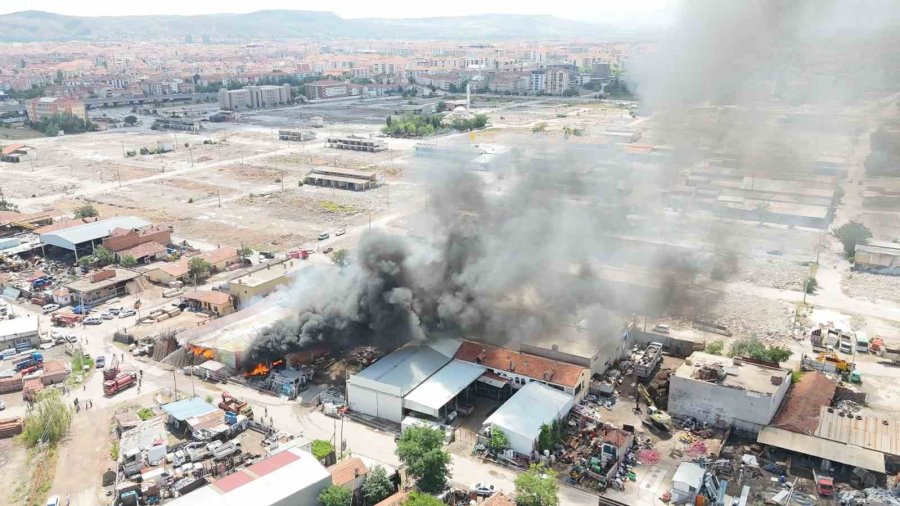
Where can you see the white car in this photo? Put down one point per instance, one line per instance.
(93, 320)
(341, 231)
(49, 308)
(2, 405)
(126, 313)
(47, 346)
(107, 315)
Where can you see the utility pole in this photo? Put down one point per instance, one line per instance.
(123, 150)
(118, 176)
(174, 385)
(219, 196)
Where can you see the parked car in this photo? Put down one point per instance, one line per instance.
(53, 500)
(49, 308)
(107, 315)
(115, 310)
(328, 250)
(323, 236)
(483, 489)
(81, 309)
(100, 362)
(72, 339)
(47, 346)
(126, 313)
(93, 320)
(340, 231)
(2, 405)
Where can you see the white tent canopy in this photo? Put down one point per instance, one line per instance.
(522, 416)
(429, 397)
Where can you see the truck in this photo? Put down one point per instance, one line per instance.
(827, 361)
(31, 360)
(824, 339)
(65, 320)
(123, 381)
(824, 485)
(862, 342)
(648, 361)
(111, 372)
(233, 405)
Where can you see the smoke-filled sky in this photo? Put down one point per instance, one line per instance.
(525, 257)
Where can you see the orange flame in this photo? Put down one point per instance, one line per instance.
(199, 351)
(259, 370)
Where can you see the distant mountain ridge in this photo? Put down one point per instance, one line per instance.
(36, 26)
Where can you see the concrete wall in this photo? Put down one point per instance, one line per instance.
(721, 405)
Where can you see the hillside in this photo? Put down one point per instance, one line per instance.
(29, 26)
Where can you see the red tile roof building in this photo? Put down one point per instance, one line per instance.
(521, 368)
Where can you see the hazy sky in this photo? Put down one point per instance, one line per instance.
(638, 11)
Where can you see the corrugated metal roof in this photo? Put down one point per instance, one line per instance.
(528, 409)
(69, 237)
(822, 448)
(401, 371)
(442, 387)
(869, 432)
(187, 408)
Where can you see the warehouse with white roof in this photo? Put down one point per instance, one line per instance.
(380, 389)
(82, 238)
(521, 417)
(291, 477)
(437, 395)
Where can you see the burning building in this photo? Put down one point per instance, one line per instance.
(228, 339)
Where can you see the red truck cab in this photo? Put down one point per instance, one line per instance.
(825, 486)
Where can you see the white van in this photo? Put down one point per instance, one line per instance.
(93, 320)
(53, 500)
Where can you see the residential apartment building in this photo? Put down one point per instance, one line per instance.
(269, 96)
(234, 100)
(40, 108)
(254, 97)
(537, 81)
(560, 78)
(331, 89)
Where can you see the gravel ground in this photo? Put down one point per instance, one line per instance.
(874, 287)
(746, 316)
(773, 273)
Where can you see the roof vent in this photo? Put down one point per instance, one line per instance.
(512, 366)
(548, 374)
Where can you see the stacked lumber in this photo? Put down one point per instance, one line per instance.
(10, 427)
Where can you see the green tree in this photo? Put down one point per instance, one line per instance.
(335, 496)
(420, 499)
(198, 268)
(715, 347)
(377, 486)
(85, 211)
(321, 449)
(811, 285)
(130, 119)
(244, 251)
(499, 440)
(49, 420)
(755, 349)
(421, 450)
(537, 487)
(851, 234)
(104, 256)
(127, 261)
(341, 258)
